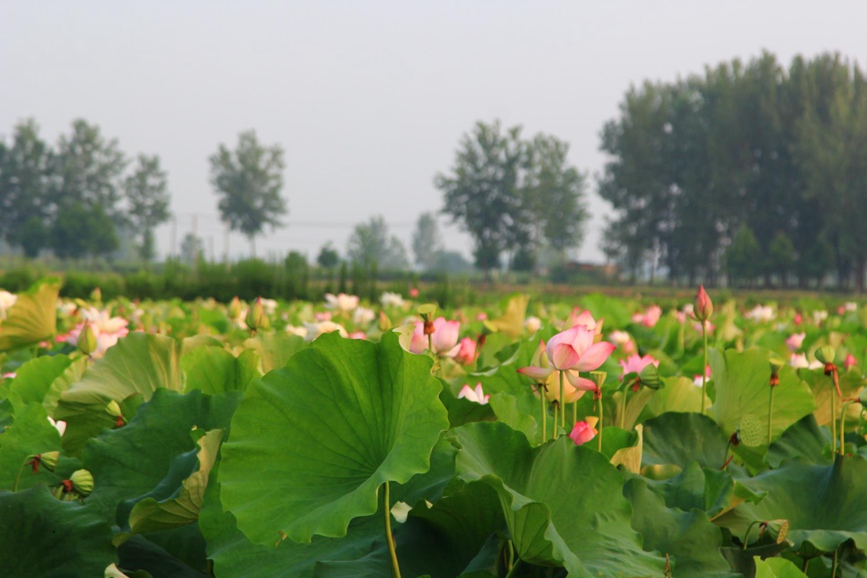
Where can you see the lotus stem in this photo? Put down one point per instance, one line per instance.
(395, 568)
(834, 421)
(770, 415)
(704, 367)
(834, 564)
(514, 568)
(623, 409)
(747, 534)
(843, 425)
(555, 433)
(20, 470)
(562, 400)
(599, 435)
(544, 413)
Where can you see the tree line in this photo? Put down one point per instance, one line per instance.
(752, 171)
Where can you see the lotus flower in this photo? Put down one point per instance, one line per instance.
(59, 425)
(703, 306)
(819, 316)
(444, 340)
(476, 395)
(623, 341)
(850, 361)
(799, 361)
(696, 379)
(586, 319)
(574, 349)
(650, 317)
(363, 316)
(532, 324)
(391, 299)
(7, 300)
(314, 330)
(582, 433)
(760, 313)
(342, 302)
(467, 351)
(795, 341)
(635, 363)
(105, 328)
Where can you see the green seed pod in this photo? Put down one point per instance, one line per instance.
(49, 460)
(82, 482)
(87, 342)
(649, 376)
(113, 409)
(826, 354)
(598, 377)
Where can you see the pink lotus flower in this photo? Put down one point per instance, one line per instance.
(342, 302)
(696, 379)
(623, 341)
(413, 292)
(467, 351)
(357, 335)
(574, 349)
(582, 433)
(707, 325)
(106, 329)
(799, 361)
(586, 319)
(850, 361)
(59, 425)
(703, 306)
(635, 363)
(444, 339)
(798, 319)
(10, 375)
(481, 316)
(475, 395)
(795, 341)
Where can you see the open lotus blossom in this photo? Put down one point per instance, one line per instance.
(467, 351)
(575, 349)
(59, 425)
(299, 331)
(444, 340)
(321, 316)
(650, 317)
(586, 319)
(795, 341)
(363, 316)
(542, 373)
(269, 306)
(476, 395)
(532, 324)
(314, 330)
(696, 379)
(582, 432)
(635, 363)
(389, 299)
(341, 302)
(106, 329)
(799, 361)
(850, 306)
(760, 313)
(10, 375)
(819, 316)
(7, 300)
(623, 341)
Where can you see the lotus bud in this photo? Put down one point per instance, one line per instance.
(113, 409)
(87, 342)
(256, 317)
(776, 364)
(649, 377)
(49, 460)
(234, 308)
(82, 482)
(703, 307)
(427, 312)
(96, 295)
(384, 322)
(863, 397)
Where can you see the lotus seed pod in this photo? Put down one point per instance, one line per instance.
(751, 431)
(49, 460)
(82, 482)
(649, 376)
(598, 377)
(427, 311)
(113, 409)
(826, 354)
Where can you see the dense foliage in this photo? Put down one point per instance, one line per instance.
(377, 438)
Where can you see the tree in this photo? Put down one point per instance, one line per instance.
(25, 178)
(147, 195)
(192, 249)
(426, 242)
(744, 256)
(328, 256)
(370, 246)
(554, 195)
(482, 192)
(781, 257)
(81, 230)
(248, 181)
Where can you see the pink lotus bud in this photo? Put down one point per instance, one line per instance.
(413, 292)
(582, 433)
(795, 341)
(703, 307)
(467, 352)
(850, 361)
(476, 395)
(445, 337)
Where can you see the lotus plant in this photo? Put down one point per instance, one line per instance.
(476, 395)
(703, 309)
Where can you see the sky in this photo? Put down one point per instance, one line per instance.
(369, 99)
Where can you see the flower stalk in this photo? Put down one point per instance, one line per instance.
(392, 552)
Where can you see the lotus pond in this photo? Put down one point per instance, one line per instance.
(594, 437)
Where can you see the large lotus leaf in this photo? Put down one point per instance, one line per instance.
(137, 366)
(275, 349)
(823, 504)
(741, 383)
(33, 318)
(805, 442)
(29, 434)
(688, 536)
(462, 410)
(234, 556)
(512, 321)
(150, 515)
(680, 438)
(312, 442)
(155, 452)
(153, 560)
(215, 370)
(43, 536)
(823, 388)
(680, 394)
(777, 568)
(43, 379)
(563, 504)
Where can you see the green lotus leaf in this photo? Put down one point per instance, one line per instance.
(43, 536)
(741, 381)
(275, 349)
(312, 442)
(680, 438)
(688, 536)
(43, 379)
(33, 318)
(824, 504)
(822, 386)
(30, 434)
(563, 504)
(804, 442)
(511, 322)
(215, 370)
(777, 568)
(152, 455)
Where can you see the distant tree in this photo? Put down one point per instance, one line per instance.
(781, 257)
(25, 178)
(554, 195)
(192, 249)
(81, 231)
(452, 262)
(88, 170)
(370, 246)
(328, 256)
(744, 256)
(148, 197)
(248, 181)
(426, 241)
(482, 192)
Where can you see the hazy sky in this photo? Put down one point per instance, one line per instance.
(369, 99)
